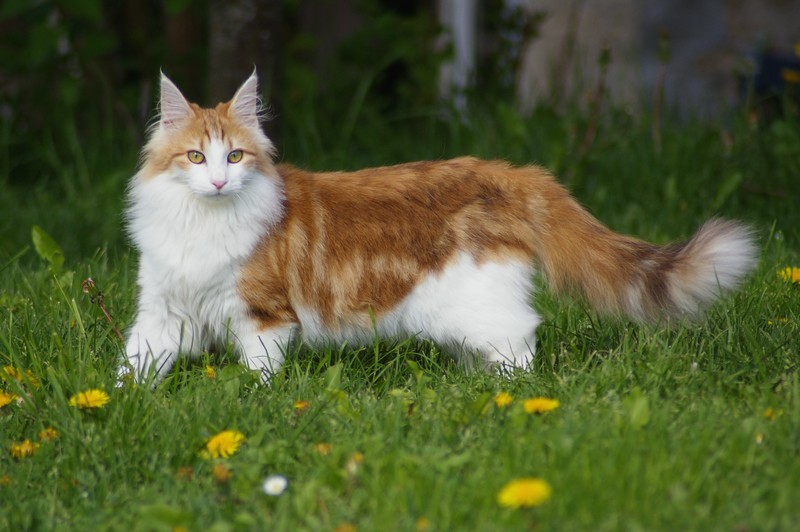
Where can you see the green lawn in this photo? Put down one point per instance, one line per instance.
(692, 428)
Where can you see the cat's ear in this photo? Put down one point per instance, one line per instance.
(245, 103)
(173, 107)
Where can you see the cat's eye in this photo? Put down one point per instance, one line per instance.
(195, 156)
(235, 156)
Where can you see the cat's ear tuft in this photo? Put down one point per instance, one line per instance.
(245, 103)
(173, 107)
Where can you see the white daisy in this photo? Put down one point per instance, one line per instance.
(274, 485)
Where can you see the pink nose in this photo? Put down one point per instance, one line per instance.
(219, 184)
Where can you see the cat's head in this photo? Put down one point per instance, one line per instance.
(215, 152)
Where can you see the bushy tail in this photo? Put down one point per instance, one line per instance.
(621, 275)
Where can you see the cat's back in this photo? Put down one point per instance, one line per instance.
(446, 185)
(420, 209)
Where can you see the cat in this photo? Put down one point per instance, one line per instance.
(238, 250)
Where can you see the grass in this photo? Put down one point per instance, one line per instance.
(694, 428)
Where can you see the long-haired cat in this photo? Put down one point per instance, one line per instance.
(238, 250)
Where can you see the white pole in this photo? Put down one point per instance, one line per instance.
(458, 18)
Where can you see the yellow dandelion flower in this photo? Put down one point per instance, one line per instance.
(790, 75)
(422, 525)
(223, 445)
(6, 398)
(5, 480)
(299, 406)
(354, 463)
(23, 449)
(777, 321)
(12, 373)
(503, 399)
(540, 405)
(32, 379)
(93, 398)
(524, 493)
(9, 373)
(771, 414)
(210, 372)
(759, 438)
(221, 473)
(790, 274)
(344, 527)
(48, 434)
(323, 448)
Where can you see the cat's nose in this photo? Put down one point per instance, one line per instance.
(219, 184)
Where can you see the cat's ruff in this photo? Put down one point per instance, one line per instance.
(235, 249)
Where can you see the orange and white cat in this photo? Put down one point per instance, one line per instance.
(238, 250)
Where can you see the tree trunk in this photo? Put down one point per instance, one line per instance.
(245, 34)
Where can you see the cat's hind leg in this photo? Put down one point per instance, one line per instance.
(499, 339)
(480, 308)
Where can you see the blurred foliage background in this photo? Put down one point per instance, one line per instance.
(88, 69)
(349, 84)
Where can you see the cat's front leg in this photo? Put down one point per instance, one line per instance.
(152, 347)
(263, 348)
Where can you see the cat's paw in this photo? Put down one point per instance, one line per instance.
(139, 368)
(125, 375)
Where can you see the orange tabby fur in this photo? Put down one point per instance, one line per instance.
(352, 243)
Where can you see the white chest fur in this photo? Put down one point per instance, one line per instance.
(192, 249)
